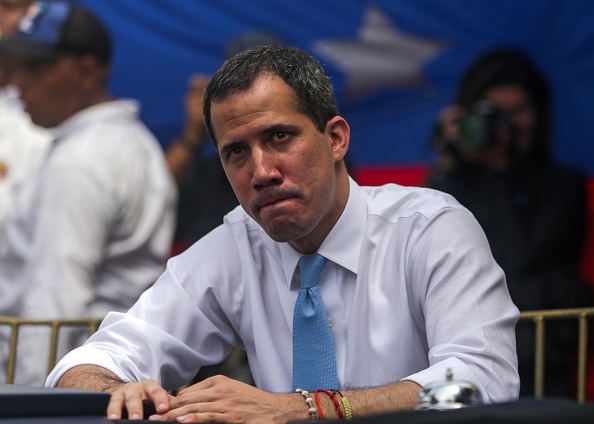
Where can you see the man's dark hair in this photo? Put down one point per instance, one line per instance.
(303, 73)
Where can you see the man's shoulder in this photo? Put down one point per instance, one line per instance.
(111, 122)
(110, 133)
(393, 201)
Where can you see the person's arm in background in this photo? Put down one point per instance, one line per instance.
(182, 149)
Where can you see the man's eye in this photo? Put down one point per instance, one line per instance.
(280, 135)
(236, 151)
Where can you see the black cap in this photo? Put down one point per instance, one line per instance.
(53, 28)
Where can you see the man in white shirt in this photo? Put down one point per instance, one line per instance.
(23, 145)
(410, 286)
(93, 228)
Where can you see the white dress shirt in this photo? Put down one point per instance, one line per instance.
(410, 285)
(22, 147)
(93, 228)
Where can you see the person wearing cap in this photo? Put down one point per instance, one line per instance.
(22, 144)
(93, 228)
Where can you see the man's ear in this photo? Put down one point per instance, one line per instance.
(92, 73)
(340, 133)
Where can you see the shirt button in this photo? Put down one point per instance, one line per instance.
(330, 322)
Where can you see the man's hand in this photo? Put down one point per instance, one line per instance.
(181, 151)
(194, 132)
(222, 400)
(134, 396)
(194, 98)
(131, 397)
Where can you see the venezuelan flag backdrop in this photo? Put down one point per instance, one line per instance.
(394, 63)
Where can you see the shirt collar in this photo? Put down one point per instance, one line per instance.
(343, 244)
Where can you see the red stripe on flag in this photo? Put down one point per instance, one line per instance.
(409, 175)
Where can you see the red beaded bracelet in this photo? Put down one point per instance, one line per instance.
(348, 412)
(336, 403)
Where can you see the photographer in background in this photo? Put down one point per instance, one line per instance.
(493, 157)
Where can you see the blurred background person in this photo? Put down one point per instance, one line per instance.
(494, 158)
(205, 195)
(93, 228)
(22, 144)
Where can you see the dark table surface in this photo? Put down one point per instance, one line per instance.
(521, 412)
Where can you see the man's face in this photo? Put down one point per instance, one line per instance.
(11, 11)
(282, 169)
(50, 90)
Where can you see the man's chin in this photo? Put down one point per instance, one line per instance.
(283, 232)
(280, 236)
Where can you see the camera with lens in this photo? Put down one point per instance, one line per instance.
(479, 127)
(484, 124)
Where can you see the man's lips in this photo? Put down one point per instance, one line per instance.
(271, 202)
(272, 199)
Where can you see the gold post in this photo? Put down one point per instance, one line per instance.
(94, 326)
(539, 357)
(14, 324)
(10, 367)
(582, 358)
(582, 315)
(53, 346)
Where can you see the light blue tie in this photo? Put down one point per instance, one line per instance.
(314, 360)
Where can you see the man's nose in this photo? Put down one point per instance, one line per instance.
(265, 169)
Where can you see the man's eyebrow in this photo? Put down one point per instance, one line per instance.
(279, 128)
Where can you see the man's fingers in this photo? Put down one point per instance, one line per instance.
(130, 398)
(160, 398)
(133, 396)
(134, 405)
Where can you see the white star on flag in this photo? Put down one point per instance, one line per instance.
(381, 57)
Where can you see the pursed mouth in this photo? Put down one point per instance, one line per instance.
(272, 199)
(272, 202)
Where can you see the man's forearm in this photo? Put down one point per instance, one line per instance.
(90, 377)
(373, 401)
(381, 400)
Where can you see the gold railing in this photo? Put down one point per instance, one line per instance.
(582, 315)
(15, 324)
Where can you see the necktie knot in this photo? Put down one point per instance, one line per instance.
(310, 267)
